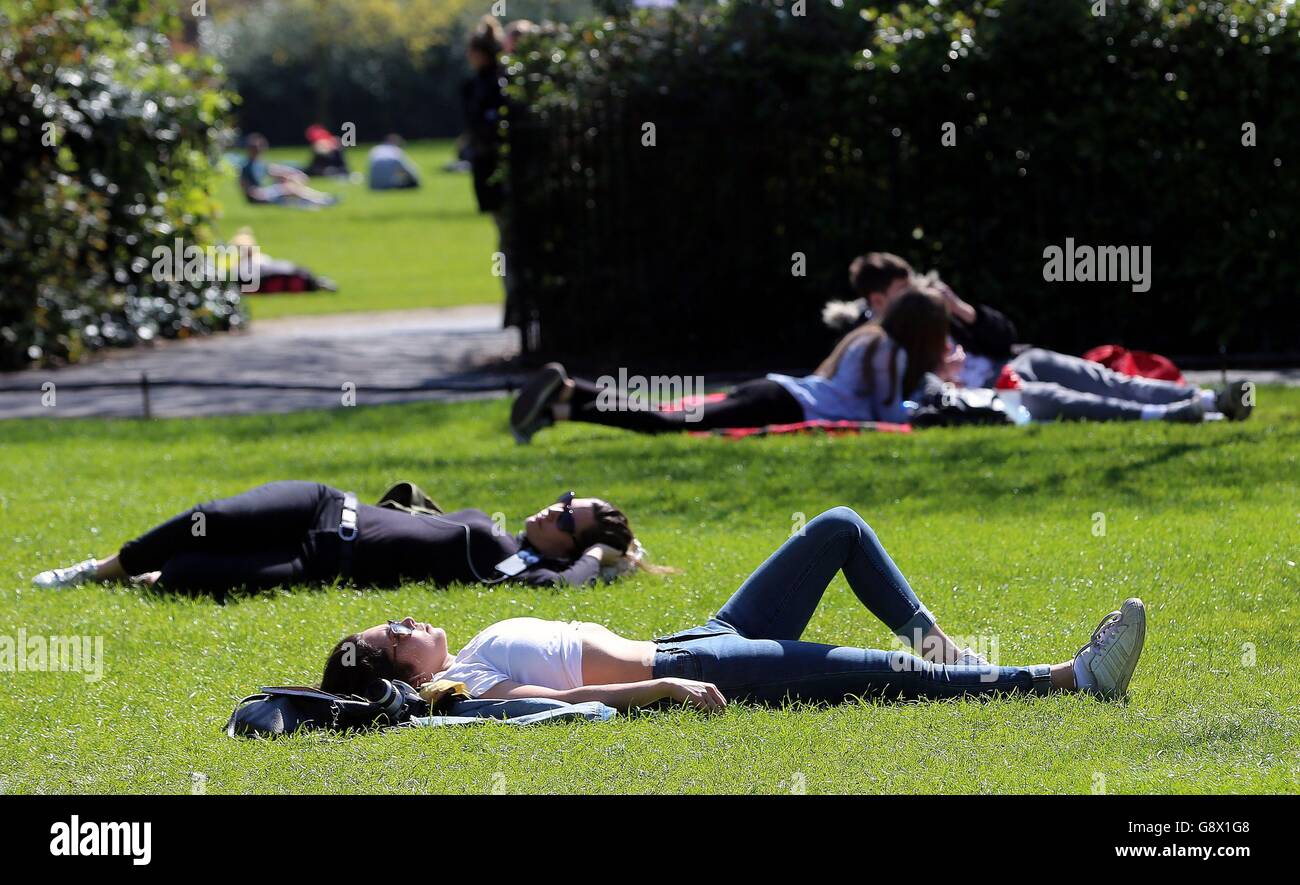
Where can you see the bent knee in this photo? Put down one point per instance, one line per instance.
(842, 516)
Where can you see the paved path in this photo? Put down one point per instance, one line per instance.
(463, 348)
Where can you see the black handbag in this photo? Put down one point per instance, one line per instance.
(957, 406)
(280, 710)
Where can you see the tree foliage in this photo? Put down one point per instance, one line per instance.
(107, 146)
(821, 134)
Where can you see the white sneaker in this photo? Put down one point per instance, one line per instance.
(1106, 663)
(968, 657)
(66, 577)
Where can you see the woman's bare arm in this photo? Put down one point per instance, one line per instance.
(623, 696)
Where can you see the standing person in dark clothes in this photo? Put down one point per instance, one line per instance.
(294, 532)
(483, 100)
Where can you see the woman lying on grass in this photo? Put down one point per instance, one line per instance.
(295, 532)
(867, 377)
(749, 651)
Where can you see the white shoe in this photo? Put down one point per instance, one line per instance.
(71, 576)
(968, 657)
(1106, 663)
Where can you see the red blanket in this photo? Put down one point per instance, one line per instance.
(835, 428)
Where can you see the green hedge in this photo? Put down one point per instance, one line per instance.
(820, 134)
(125, 164)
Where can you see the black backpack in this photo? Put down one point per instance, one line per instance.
(958, 406)
(285, 709)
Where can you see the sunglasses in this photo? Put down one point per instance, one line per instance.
(397, 630)
(566, 521)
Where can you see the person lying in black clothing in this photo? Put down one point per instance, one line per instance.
(295, 532)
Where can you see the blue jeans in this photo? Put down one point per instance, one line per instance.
(751, 648)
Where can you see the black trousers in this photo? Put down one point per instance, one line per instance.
(276, 534)
(751, 404)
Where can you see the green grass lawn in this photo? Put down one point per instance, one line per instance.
(993, 527)
(387, 250)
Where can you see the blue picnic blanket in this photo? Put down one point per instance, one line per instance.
(528, 711)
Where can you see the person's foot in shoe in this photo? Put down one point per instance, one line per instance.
(1105, 664)
(531, 410)
(71, 576)
(1189, 411)
(1236, 400)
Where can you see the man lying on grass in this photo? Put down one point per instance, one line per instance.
(294, 532)
(749, 651)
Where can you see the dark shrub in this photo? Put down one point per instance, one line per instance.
(820, 134)
(107, 144)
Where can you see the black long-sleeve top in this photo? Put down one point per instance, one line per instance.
(991, 335)
(393, 546)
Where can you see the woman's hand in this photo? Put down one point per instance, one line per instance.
(606, 554)
(704, 695)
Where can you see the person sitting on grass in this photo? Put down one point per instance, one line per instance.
(867, 377)
(293, 532)
(389, 168)
(289, 185)
(327, 157)
(750, 651)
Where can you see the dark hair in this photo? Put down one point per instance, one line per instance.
(256, 140)
(917, 322)
(353, 665)
(611, 527)
(486, 38)
(875, 271)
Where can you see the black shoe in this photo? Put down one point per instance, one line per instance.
(531, 409)
(1189, 411)
(1236, 400)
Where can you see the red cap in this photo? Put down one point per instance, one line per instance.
(317, 132)
(1008, 379)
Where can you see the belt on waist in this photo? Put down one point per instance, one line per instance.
(347, 532)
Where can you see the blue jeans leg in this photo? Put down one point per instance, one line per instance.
(779, 598)
(768, 671)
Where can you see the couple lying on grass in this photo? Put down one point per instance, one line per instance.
(749, 651)
(922, 337)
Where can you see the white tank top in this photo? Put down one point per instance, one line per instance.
(529, 651)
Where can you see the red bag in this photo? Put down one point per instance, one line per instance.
(1135, 362)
